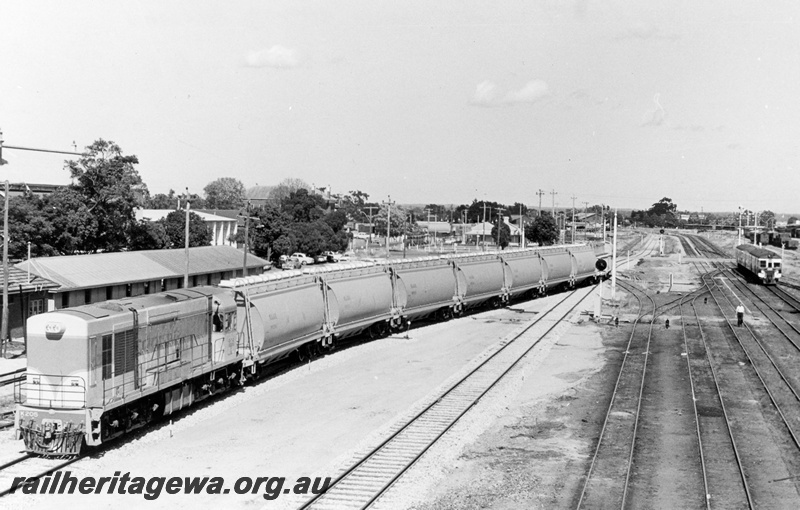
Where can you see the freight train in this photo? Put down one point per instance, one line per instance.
(98, 371)
(763, 264)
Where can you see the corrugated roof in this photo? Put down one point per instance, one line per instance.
(103, 269)
(19, 278)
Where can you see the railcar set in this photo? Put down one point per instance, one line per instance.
(98, 371)
(763, 264)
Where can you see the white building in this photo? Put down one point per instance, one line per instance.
(222, 229)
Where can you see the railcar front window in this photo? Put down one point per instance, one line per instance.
(762, 263)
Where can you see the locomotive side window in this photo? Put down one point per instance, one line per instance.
(106, 354)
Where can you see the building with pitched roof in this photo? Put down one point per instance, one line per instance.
(223, 228)
(27, 295)
(85, 279)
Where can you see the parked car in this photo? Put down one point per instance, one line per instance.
(320, 259)
(347, 256)
(302, 258)
(332, 256)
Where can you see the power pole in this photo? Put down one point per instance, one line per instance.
(521, 228)
(573, 218)
(540, 193)
(499, 224)
(371, 207)
(186, 242)
(388, 205)
(554, 193)
(5, 277)
(483, 239)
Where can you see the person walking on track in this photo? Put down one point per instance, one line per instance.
(740, 315)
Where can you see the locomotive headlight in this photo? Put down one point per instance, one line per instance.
(54, 330)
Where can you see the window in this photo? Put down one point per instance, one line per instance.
(762, 263)
(109, 292)
(208, 279)
(776, 265)
(35, 306)
(147, 287)
(180, 283)
(106, 355)
(64, 299)
(87, 296)
(163, 285)
(128, 290)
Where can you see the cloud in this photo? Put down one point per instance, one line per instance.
(277, 56)
(656, 116)
(532, 91)
(485, 94)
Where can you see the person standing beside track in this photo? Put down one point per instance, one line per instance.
(739, 315)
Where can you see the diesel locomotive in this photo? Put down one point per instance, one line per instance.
(98, 371)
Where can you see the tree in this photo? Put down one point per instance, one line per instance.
(225, 193)
(505, 234)
(286, 187)
(399, 219)
(149, 235)
(106, 179)
(304, 207)
(792, 220)
(72, 220)
(542, 230)
(175, 228)
(767, 219)
(663, 207)
(336, 220)
(162, 201)
(27, 223)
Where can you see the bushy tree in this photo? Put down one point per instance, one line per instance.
(505, 234)
(224, 193)
(175, 228)
(303, 206)
(542, 230)
(27, 223)
(163, 201)
(286, 187)
(149, 235)
(105, 179)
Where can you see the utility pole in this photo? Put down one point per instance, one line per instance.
(371, 207)
(554, 193)
(5, 276)
(247, 219)
(483, 239)
(499, 224)
(388, 205)
(573, 218)
(521, 228)
(540, 193)
(614, 260)
(186, 242)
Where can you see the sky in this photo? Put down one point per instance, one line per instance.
(619, 103)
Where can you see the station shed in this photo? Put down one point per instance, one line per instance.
(27, 295)
(85, 279)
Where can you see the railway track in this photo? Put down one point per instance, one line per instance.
(28, 466)
(724, 479)
(608, 476)
(761, 404)
(369, 477)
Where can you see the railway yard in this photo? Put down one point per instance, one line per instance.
(537, 404)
